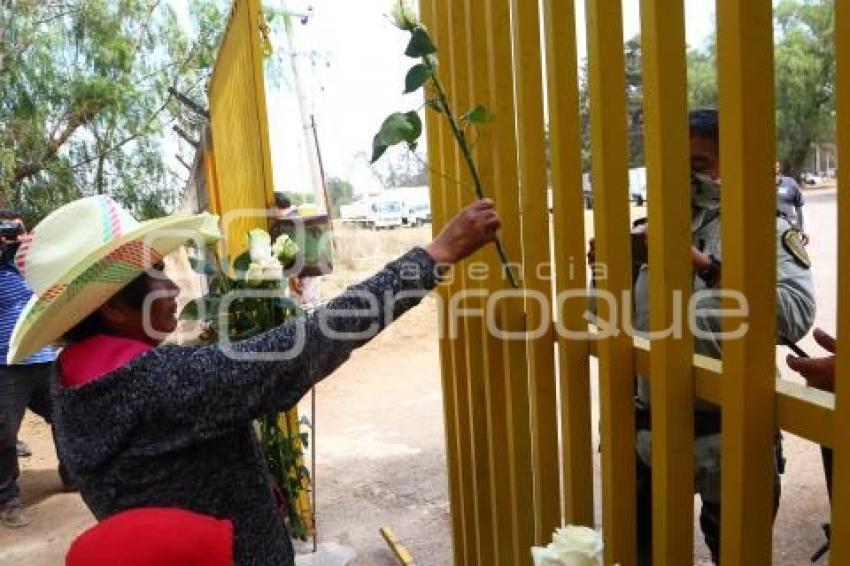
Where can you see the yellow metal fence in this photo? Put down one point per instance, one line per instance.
(518, 413)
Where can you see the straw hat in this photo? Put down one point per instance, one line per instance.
(82, 254)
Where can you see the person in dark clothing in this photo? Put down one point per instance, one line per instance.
(144, 425)
(790, 202)
(22, 385)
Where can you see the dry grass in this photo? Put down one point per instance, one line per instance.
(359, 253)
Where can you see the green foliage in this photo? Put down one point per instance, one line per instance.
(805, 83)
(478, 115)
(397, 128)
(297, 198)
(407, 127)
(702, 77)
(402, 169)
(284, 451)
(420, 44)
(248, 316)
(416, 78)
(805, 78)
(340, 191)
(85, 98)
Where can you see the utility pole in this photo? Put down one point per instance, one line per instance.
(325, 198)
(303, 103)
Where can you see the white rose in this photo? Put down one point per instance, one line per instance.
(577, 546)
(259, 245)
(404, 15)
(542, 556)
(272, 270)
(254, 274)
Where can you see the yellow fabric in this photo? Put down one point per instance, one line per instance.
(239, 127)
(242, 188)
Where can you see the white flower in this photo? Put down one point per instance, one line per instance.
(284, 248)
(254, 274)
(570, 546)
(259, 245)
(404, 15)
(272, 270)
(542, 556)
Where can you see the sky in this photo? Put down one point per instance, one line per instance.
(353, 66)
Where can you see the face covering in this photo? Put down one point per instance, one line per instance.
(705, 193)
(8, 251)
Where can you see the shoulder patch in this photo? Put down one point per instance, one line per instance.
(793, 244)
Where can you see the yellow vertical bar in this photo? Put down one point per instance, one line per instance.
(670, 278)
(469, 346)
(476, 354)
(747, 148)
(510, 314)
(257, 22)
(535, 242)
(611, 214)
(840, 552)
(504, 538)
(458, 344)
(570, 272)
(436, 159)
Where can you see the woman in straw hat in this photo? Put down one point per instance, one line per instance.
(143, 425)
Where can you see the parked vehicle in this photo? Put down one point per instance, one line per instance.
(637, 185)
(382, 211)
(811, 179)
(417, 214)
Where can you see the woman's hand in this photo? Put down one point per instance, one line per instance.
(472, 228)
(818, 372)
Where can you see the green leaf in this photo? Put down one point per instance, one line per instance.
(416, 123)
(378, 147)
(190, 311)
(417, 76)
(242, 262)
(202, 266)
(204, 308)
(420, 44)
(397, 128)
(477, 115)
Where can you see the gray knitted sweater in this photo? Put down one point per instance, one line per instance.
(173, 428)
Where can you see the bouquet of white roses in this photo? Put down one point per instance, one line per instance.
(260, 268)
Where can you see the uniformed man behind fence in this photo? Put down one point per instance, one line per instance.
(795, 310)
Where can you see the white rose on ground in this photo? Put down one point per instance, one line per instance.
(571, 546)
(404, 15)
(259, 245)
(542, 556)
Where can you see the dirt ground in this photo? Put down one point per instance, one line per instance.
(380, 440)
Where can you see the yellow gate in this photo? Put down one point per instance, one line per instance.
(237, 160)
(518, 418)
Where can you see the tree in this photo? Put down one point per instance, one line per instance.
(297, 199)
(702, 76)
(402, 169)
(805, 83)
(340, 192)
(634, 100)
(805, 78)
(86, 100)
(634, 105)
